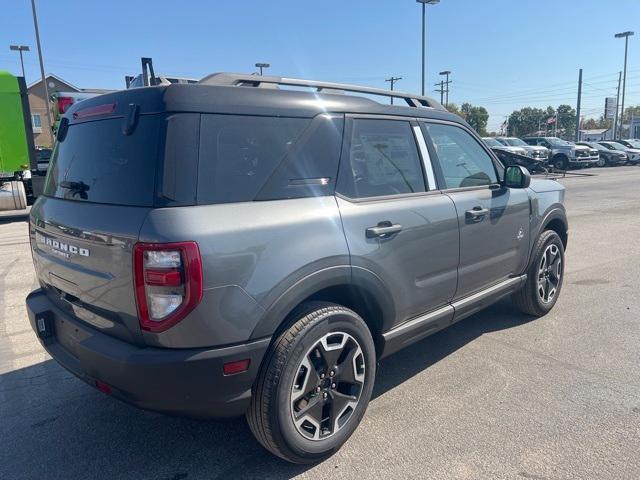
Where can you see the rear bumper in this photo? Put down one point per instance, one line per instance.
(180, 381)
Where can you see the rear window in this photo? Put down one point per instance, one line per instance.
(97, 163)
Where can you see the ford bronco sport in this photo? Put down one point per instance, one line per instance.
(239, 247)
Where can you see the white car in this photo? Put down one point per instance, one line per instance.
(534, 151)
(496, 145)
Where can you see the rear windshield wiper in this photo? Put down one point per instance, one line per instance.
(76, 188)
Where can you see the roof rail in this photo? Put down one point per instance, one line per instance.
(265, 81)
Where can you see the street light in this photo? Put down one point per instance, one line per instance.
(20, 49)
(424, 3)
(262, 65)
(447, 82)
(626, 36)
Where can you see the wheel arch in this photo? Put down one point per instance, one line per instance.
(556, 220)
(356, 288)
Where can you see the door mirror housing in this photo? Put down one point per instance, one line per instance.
(516, 176)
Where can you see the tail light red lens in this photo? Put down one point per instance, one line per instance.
(168, 283)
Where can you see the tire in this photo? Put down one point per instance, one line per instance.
(602, 162)
(296, 366)
(530, 298)
(561, 162)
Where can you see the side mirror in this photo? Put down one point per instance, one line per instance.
(516, 176)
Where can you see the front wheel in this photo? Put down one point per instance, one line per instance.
(544, 276)
(315, 384)
(561, 162)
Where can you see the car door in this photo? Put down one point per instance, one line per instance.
(397, 224)
(493, 219)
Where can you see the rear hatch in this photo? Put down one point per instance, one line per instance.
(99, 189)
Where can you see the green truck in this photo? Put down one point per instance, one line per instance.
(17, 151)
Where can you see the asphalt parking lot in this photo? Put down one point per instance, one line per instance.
(495, 396)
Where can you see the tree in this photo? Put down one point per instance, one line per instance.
(566, 118)
(532, 121)
(529, 120)
(453, 108)
(475, 116)
(595, 124)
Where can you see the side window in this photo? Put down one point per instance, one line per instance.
(239, 153)
(463, 161)
(311, 165)
(382, 160)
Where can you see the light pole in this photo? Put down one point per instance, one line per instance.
(44, 80)
(424, 4)
(262, 65)
(447, 82)
(20, 49)
(626, 36)
(392, 80)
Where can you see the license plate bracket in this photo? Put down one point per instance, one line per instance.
(45, 325)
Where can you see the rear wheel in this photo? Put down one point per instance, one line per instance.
(544, 277)
(315, 384)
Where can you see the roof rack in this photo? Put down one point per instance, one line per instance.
(264, 81)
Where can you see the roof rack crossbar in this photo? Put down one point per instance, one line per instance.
(239, 79)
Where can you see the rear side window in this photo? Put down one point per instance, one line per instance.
(239, 153)
(463, 161)
(97, 163)
(382, 160)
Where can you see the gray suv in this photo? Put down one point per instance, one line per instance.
(239, 247)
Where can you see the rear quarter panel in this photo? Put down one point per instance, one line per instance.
(252, 253)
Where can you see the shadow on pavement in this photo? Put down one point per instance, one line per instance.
(52, 425)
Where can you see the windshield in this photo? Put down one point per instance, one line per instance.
(618, 146)
(597, 146)
(633, 143)
(515, 142)
(492, 142)
(615, 146)
(557, 142)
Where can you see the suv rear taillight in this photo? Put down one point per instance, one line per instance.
(168, 282)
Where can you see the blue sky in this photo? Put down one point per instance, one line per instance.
(504, 54)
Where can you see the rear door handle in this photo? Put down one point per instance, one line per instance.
(476, 214)
(383, 230)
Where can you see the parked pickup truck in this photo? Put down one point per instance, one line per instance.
(534, 151)
(565, 155)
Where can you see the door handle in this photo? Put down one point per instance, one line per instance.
(383, 230)
(476, 214)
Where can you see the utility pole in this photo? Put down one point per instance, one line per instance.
(626, 36)
(615, 120)
(447, 82)
(44, 80)
(392, 80)
(577, 136)
(440, 90)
